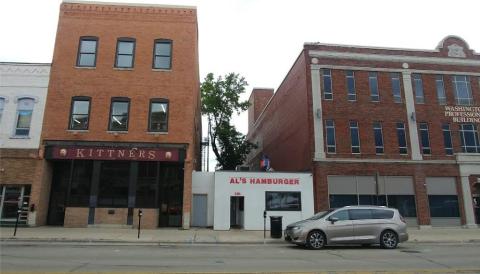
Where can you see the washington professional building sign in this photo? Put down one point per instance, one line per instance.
(463, 114)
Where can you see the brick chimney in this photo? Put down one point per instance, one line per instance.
(258, 100)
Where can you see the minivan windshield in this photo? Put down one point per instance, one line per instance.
(320, 215)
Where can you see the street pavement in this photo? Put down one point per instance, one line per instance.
(198, 235)
(62, 257)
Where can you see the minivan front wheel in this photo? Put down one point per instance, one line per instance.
(388, 239)
(316, 240)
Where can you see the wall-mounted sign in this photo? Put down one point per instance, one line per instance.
(114, 153)
(463, 114)
(264, 181)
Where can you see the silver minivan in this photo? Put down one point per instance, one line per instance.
(365, 225)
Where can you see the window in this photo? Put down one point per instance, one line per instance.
(469, 138)
(79, 113)
(24, 116)
(402, 140)
(87, 52)
(146, 186)
(443, 206)
(162, 54)
(113, 185)
(327, 84)
(354, 137)
(441, 96)
(378, 135)
(447, 139)
(330, 127)
(2, 106)
(424, 138)
(340, 200)
(80, 184)
(283, 201)
(350, 75)
(462, 90)
(418, 87)
(360, 214)
(125, 53)
(119, 114)
(373, 82)
(382, 214)
(396, 88)
(158, 120)
(341, 215)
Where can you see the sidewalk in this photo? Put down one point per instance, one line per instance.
(199, 235)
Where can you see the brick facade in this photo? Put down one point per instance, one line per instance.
(299, 108)
(141, 83)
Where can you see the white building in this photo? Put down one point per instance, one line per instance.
(23, 91)
(229, 199)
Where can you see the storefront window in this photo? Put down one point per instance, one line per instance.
(81, 182)
(146, 184)
(113, 186)
(404, 203)
(443, 205)
(340, 200)
(283, 201)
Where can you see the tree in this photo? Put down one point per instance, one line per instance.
(220, 100)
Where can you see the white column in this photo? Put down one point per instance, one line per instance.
(411, 117)
(468, 203)
(317, 114)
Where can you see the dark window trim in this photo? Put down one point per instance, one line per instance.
(126, 39)
(299, 201)
(157, 100)
(87, 38)
(80, 98)
(162, 40)
(118, 99)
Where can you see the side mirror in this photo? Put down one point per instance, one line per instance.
(333, 219)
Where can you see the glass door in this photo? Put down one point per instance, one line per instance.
(14, 197)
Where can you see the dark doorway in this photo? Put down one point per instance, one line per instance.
(476, 201)
(236, 211)
(170, 194)
(58, 192)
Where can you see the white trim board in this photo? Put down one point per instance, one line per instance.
(443, 72)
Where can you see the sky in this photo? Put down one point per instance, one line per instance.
(260, 39)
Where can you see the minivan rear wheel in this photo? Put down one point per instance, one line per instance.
(388, 239)
(316, 240)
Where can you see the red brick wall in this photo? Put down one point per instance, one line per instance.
(76, 217)
(283, 126)
(119, 217)
(258, 100)
(149, 218)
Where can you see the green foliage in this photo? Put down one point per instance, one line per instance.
(220, 100)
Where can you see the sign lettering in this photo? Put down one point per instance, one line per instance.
(463, 114)
(264, 181)
(113, 153)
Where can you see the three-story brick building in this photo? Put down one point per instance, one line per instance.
(122, 121)
(394, 127)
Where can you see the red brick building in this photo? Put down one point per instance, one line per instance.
(122, 120)
(395, 127)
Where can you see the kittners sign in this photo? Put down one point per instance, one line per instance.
(115, 153)
(463, 114)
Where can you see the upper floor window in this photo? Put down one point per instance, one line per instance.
(330, 130)
(350, 75)
(79, 113)
(119, 114)
(418, 88)
(425, 138)
(396, 88)
(24, 116)
(378, 135)
(373, 82)
(355, 137)
(447, 139)
(158, 120)
(87, 52)
(125, 53)
(2, 106)
(441, 96)
(462, 90)
(402, 139)
(327, 84)
(162, 54)
(469, 138)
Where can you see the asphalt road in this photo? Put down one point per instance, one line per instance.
(50, 257)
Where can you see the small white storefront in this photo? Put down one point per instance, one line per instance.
(230, 199)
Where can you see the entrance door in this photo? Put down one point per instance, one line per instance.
(200, 205)
(236, 211)
(58, 193)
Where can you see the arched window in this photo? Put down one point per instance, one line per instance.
(24, 116)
